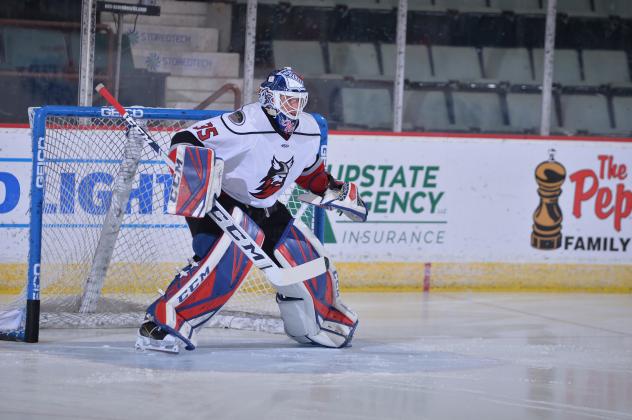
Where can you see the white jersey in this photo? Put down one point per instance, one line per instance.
(259, 164)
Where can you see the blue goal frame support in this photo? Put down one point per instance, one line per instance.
(29, 325)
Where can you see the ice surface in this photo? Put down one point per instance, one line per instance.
(415, 356)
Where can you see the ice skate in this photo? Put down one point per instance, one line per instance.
(152, 337)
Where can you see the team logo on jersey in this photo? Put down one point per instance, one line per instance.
(275, 178)
(237, 118)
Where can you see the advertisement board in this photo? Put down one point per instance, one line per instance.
(478, 200)
(445, 211)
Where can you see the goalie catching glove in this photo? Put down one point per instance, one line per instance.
(341, 196)
(197, 179)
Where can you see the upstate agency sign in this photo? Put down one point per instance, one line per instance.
(436, 199)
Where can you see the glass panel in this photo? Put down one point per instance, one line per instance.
(40, 56)
(459, 52)
(471, 66)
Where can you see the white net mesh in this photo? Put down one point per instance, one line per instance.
(84, 158)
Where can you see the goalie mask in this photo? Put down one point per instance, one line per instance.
(283, 95)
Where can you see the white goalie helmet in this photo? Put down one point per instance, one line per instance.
(284, 95)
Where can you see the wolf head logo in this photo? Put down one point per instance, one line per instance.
(274, 180)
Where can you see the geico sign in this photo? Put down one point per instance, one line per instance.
(111, 112)
(40, 175)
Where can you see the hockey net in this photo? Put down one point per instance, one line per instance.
(87, 160)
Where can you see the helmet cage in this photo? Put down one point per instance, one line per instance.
(284, 94)
(290, 104)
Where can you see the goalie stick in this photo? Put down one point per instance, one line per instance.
(276, 275)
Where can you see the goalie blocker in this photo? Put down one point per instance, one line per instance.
(197, 179)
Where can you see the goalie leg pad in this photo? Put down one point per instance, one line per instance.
(312, 311)
(200, 290)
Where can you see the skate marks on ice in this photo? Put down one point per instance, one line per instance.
(417, 379)
(249, 352)
(364, 357)
(453, 356)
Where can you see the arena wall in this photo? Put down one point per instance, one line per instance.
(446, 211)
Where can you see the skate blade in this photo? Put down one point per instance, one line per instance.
(165, 346)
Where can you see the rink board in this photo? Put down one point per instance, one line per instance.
(446, 212)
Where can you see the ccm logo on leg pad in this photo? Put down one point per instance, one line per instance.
(198, 278)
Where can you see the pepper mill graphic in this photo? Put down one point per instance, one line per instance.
(547, 218)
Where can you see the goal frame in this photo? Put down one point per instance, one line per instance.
(30, 323)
